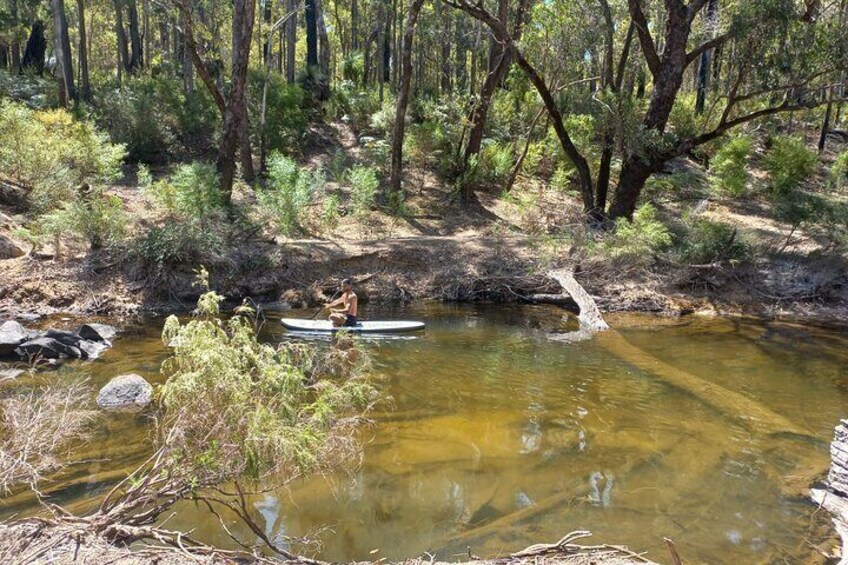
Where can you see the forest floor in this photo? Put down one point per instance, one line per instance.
(498, 248)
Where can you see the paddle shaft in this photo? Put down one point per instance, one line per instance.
(321, 309)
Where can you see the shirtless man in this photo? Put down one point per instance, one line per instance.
(345, 316)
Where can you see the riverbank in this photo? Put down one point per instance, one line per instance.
(464, 268)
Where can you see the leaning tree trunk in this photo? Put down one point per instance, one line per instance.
(36, 47)
(403, 100)
(62, 47)
(83, 53)
(499, 61)
(236, 109)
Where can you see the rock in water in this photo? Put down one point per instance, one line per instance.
(44, 347)
(125, 391)
(97, 332)
(8, 249)
(12, 334)
(92, 349)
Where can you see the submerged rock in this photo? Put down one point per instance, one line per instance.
(97, 332)
(125, 391)
(12, 334)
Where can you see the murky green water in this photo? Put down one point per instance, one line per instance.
(500, 437)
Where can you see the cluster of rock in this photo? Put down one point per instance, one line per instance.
(834, 497)
(88, 342)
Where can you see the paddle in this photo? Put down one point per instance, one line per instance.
(321, 309)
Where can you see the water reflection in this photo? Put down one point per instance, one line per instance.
(498, 437)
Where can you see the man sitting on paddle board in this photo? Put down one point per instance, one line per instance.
(346, 316)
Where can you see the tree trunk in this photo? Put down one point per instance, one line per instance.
(121, 36)
(188, 70)
(706, 59)
(62, 48)
(323, 52)
(499, 61)
(291, 41)
(460, 61)
(447, 71)
(236, 108)
(381, 39)
(403, 101)
(136, 56)
(14, 45)
(36, 47)
(354, 25)
(826, 122)
(83, 53)
(311, 35)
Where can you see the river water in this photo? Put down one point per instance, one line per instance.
(497, 437)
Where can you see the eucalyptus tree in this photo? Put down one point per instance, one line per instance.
(783, 59)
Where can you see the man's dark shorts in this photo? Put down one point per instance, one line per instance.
(350, 321)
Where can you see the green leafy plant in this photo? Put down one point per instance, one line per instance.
(838, 177)
(176, 244)
(788, 163)
(363, 189)
(289, 191)
(709, 242)
(727, 167)
(638, 240)
(97, 218)
(52, 154)
(330, 212)
(191, 192)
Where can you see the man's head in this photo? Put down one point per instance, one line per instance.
(347, 285)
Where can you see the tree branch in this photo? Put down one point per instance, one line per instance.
(646, 41)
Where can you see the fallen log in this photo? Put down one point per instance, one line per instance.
(590, 317)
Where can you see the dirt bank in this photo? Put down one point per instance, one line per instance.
(471, 267)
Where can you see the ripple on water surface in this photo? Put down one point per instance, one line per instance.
(499, 437)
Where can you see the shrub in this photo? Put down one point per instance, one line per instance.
(710, 242)
(561, 179)
(788, 163)
(330, 212)
(363, 189)
(176, 244)
(97, 218)
(637, 240)
(289, 191)
(727, 169)
(29, 88)
(191, 192)
(53, 155)
(838, 178)
(153, 117)
(286, 115)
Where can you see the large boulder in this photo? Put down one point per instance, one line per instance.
(125, 391)
(12, 334)
(97, 332)
(8, 248)
(46, 348)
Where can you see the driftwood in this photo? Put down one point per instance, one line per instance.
(590, 317)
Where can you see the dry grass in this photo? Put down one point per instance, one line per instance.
(37, 429)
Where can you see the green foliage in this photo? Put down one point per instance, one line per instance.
(353, 104)
(561, 179)
(191, 192)
(286, 114)
(330, 212)
(637, 240)
(289, 191)
(236, 408)
(727, 168)
(154, 118)
(363, 189)
(97, 218)
(788, 163)
(53, 154)
(838, 177)
(710, 242)
(383, 119)
(35, 91)
(176, 244)
(665, 185)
